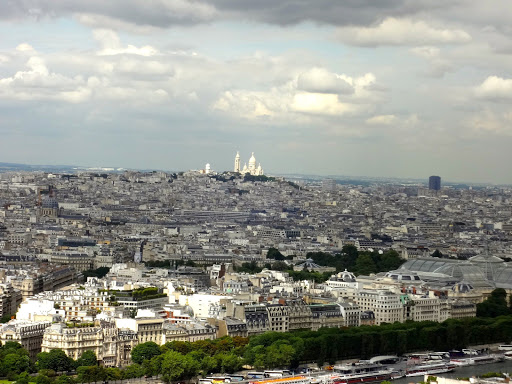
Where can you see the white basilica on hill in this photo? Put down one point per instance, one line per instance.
(251, 169)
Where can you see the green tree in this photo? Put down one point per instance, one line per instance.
(14, 363)
(56, 359)
(437, 253)
(279, 354)
(209, 364)
(64, 379)
(495, 305)
(251, 267)
(113, 374)
(274, 254)
(133, 371)
(365, 265)
(145, 351)
(280, 266)
(390, 260)
(176, 366)
(351, 253)
(23, 378)
(87, 359)
(91, 374)
(6, 318)
(228, 362)
(43, 379)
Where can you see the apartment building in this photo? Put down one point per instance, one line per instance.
(386, 305)
(111, 345)
(28, 333)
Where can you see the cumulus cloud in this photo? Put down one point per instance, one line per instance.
(393, 31)
(427, 52)
(38, 83)
(490, 122)
(319, 80)
(126, 74)
(319, 103)
(111, 45)
(24, 47)
(495, 88)
(315, 92)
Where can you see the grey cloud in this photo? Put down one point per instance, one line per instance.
(347, 12)
(165, 13)
(157, 13)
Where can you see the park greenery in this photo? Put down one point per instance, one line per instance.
(179, 360)
(98, 272)
(495, 305)
(358, 262)
(138, 294)
(262, 178)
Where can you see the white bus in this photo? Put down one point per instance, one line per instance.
(505, 347)
(281, 373)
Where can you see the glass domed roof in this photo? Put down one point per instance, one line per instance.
(466, 272)
(404, 275)
(489, 264)
(503, 277)
(345, 276)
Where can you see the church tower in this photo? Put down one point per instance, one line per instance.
(237, 162)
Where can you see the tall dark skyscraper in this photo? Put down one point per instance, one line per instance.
(434, 182)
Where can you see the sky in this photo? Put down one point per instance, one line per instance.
(390, 88)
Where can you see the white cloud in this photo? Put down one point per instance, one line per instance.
(38, 83)
(248, 104)
(381, 120)
(319, 80)
(24, 47)
(315, 92)
(319, 103)
(427, 52)
(495, 87)
(111, 45)
(394, 31)
(490, 122)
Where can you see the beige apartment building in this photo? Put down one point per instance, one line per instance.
(28, 333)
(111, 345)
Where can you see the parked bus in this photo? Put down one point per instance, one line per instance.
(235, 378)
(255, 375)
(505, 347)
(281, 373)
(219, 379)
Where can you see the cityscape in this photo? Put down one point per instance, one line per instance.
(133, 257)
(255, 192)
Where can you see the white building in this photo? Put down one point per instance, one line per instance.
(251, 169)
(201, 303)
(33, 309)
(386, 305)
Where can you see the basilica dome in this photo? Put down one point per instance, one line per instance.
(252, 161)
